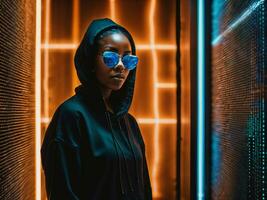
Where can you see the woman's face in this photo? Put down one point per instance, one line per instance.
(119, 43)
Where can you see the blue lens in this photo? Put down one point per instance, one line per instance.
(130, 61)
(110, 58)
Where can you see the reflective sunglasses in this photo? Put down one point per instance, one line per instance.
(111, 59)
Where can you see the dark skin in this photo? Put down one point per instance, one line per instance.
(120, 44)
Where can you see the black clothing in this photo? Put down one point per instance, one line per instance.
(89, 152)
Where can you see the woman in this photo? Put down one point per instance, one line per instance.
(93, 148)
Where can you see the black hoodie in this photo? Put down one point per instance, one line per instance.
(89, 152)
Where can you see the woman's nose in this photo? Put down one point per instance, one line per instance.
(120, 66)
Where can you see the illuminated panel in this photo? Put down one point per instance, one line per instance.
(157, 58)
(238, 137)
(17, 100)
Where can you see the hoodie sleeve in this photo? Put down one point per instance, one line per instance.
(147, 184)
(61, 157)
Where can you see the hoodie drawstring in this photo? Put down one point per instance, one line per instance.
(127, 170)
(116, 148)
(117, 145)
(129, 134)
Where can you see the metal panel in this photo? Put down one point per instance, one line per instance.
(17, 111)
(238, 136)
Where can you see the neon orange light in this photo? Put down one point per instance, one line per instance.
(156, 47)
(75, 19)
(166, 85)
(156, 154)
(156, 121)
(45, 120)
(46, 60)
(73, 46)
(112, 9)
(38, 102)
(140, 120)
(75, 38)
(46, 67)
(64, 46)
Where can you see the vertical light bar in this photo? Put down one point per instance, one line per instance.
(46, 59)
(155, 98)
(38, 101)
(112, 9)
(75, 38)
(200, 99)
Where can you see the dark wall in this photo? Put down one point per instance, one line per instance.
(238, 68)
(17, 100)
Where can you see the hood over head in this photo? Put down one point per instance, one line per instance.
(120, 99)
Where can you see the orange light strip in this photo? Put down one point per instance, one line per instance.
(156, 153)
(75, 38)
(59, 46)
(140, 120)
(46, 59)
(156, 47)
(45, 120)
(166, 85)
(75, 21)
(71, 46)
(112, 9)
(38, 101)
(156, 121)
(46, 64)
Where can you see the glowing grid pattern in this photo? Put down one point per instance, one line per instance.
(152, 46)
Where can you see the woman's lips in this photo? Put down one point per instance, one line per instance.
(118, 76)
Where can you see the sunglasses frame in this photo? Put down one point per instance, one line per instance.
(120, 58)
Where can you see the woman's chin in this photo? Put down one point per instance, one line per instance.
(116, 87)
(116, 84)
